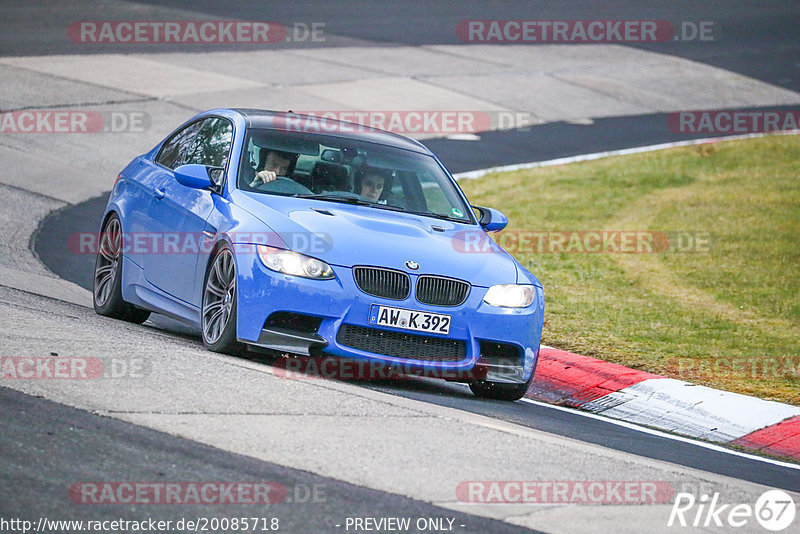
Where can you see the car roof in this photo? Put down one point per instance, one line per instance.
(260, 118)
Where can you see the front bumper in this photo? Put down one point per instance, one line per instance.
(500, 344)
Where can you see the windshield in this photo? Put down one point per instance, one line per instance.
(344, 170)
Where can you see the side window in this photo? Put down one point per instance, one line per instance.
(212, 144)
(434, 196)
(174, 150)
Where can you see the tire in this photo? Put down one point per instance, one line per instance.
(219, 305)
(107, 281)
(499, 391)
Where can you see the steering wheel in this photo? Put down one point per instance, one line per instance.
(282, 184)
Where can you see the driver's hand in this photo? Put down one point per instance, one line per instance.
(263, 177)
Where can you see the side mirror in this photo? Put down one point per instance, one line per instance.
(195, 176)
(491, 220)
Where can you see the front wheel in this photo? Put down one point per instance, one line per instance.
(498, 390)
(219, 305)
(107, 282)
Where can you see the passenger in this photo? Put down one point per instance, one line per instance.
(275, 163)
(369, 184)
(376, 186)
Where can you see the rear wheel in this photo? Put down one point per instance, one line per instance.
(219, 305)
(107, 286)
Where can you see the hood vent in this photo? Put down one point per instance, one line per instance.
(324, 212)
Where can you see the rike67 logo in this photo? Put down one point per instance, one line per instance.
(774, 510)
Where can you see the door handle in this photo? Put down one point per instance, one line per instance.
(159, 192)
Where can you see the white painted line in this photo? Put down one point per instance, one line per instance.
(659, 433)
(623, 152)
(464, 137)
(655, 432)
(692, 410)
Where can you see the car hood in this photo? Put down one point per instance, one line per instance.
(348, 235)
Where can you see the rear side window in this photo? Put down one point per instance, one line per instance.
(212, 144)
(174, 150)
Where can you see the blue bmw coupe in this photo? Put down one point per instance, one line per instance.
(318, 238)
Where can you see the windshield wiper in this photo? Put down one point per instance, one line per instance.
(336, 198)
(439, 216)
(332, 197)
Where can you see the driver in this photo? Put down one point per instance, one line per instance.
(276, 163)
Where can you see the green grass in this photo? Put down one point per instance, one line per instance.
(723, 312)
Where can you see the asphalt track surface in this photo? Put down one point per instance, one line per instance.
(72, 445)
(59, 436)
(756, 38)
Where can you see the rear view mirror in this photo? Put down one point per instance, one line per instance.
(333, 156)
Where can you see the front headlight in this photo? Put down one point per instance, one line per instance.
(290, 262)
(510, 296)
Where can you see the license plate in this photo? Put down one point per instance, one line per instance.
(409, 319)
